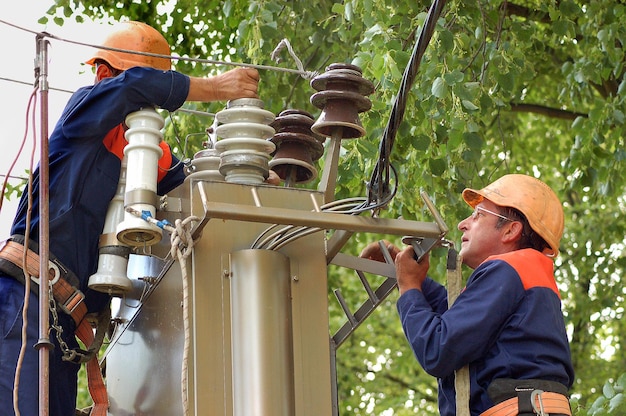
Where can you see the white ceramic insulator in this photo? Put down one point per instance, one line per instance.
(205, 166)
(115, 212)
(142, 153)
(111, 274)
(244, 147)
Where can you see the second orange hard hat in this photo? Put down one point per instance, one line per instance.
(533, 198)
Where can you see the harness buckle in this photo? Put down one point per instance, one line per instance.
(57, 274)
(72, 302)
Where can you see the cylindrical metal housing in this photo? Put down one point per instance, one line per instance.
(261, 334)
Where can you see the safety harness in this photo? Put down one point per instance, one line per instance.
(528, 398)
(70, 300)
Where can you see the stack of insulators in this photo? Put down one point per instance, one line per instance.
(297, 147)
(242, 144)
(342, 96)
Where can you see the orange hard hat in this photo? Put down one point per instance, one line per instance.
(533, 198)
(135, 36)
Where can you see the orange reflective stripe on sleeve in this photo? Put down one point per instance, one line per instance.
(115, 142)
(165, 162)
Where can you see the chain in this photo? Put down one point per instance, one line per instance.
(68, 353)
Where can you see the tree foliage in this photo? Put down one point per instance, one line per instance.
(523, 86)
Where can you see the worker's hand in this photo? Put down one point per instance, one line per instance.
(237, 83)
(410, 273)
(230, 85)
(373, 252)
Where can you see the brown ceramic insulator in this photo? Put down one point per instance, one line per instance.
(297, 147)
(342, 96)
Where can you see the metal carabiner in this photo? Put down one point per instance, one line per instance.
(57, 274)
(536, 394)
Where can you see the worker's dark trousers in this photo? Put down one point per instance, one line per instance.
(63, 375)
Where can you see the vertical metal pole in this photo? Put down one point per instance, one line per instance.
(43, 345)
(328, 181)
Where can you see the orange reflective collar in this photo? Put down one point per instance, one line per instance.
(115, 142)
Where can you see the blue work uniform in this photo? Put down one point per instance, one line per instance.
(85, 152)
(506, 323)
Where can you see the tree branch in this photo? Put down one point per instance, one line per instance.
(546, 111)
(511, 9)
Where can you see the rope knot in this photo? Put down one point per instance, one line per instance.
(181, 239)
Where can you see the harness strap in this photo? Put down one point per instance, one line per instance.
(551, 403)
(71, 301)
(95, 381)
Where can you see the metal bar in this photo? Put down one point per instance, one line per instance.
(367, 287)
(336, 243)
(328, 180)
(366, 265)
(351, 319)
(364, 311)
(431, 207)
(43, 344)
(323, 220)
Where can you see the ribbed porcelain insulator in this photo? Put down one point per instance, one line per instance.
(242, 133)
(297, 147)
(142, 153)
(342, 96)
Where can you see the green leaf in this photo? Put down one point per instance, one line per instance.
(453, 77)
(473, 141)
(439, 88)
(468, 105)
(420, 142)
(437, 166)
(608, 390)
(616, 402)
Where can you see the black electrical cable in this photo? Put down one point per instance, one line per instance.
(378, 187)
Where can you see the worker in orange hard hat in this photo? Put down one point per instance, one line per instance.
(85, 154)
(134, 36)
(506, 325)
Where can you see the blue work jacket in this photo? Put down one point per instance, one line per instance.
(506, 323)
(85, 163)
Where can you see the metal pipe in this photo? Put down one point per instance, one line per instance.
(43, 344)
(263, 365)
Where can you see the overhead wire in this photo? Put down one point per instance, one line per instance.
(8, 176)
(301, 72)
(380, 192)
(282, 45)
(378, 187)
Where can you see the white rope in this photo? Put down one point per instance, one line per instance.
(286, 44)
(181, 247)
